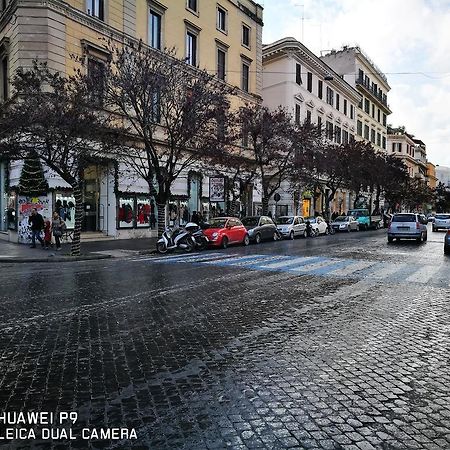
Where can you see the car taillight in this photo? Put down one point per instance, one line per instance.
(417, 226)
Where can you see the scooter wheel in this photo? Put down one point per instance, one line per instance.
(161, 248)
(190, 245)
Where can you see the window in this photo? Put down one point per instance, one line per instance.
(245, 36)
(384, 119)
(192, 5)
(361, 75)
(337, 101)
(221, 19)
(154, 32)
(352, 112)
(3, 4)
(96, 8)
(308, 116)
(320, 89)
(399, 147)
(191, 48)
(4, 88)
(221, 59)
(372, 136)
(366, 106)
(359, 128)
(329, 130)
(298, 74)
(366, 132)
(244, 137)
(337, 134)
(309, 82)
(245, 77)
(373, 110)
(319, 124)
(330, 96)
(379, 139)
(297, 114)
(344, 137)
(379, 115)
(345, 106)
(96, 75)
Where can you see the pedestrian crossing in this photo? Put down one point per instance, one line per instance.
(317, 266)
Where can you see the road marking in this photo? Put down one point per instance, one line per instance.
(289, 262)
(253, 260)
(351, 269)
(314, 266)
(422, 275)
(174, 257)
(386, 271)
(333, 265)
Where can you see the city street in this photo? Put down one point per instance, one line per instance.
(335, 342)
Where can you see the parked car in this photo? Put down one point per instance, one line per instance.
(365, 219)
(318, 223)
(223, 231)
(408, 226)
(291, 226)
(447, 243)
(441, 221)
(260, 228)
(345, 223)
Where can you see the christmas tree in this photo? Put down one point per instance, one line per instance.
(32, 180)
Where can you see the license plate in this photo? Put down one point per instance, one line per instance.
(403, 228)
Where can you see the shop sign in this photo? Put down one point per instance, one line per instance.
(217, 189)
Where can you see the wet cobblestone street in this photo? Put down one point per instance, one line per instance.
(339, 342)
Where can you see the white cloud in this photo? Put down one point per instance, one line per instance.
(403, 37)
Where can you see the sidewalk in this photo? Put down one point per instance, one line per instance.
(21, 253)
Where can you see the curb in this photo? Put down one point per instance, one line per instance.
(50, 259)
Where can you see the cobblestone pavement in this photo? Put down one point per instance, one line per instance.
(339, 342)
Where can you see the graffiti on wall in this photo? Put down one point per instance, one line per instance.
(26, 205)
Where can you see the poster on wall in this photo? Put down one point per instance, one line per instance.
(217, 189)
(25, 206)
(65, 207)
(143, 212)
(126, 212)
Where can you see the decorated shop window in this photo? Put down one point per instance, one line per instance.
(143, 212)
(11, 211)
(65, 207)
(126, 212)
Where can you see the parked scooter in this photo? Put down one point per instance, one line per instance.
(172, 239)
(310, 230)
(201, 241)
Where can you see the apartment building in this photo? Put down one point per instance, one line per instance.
(223, 37)
(410, 150)
(298, 80)
(432, 179)
(360, 72)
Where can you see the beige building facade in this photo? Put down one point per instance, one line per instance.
(224, 37)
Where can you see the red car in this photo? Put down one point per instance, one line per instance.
(223, 231)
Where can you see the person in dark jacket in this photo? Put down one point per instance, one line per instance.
(36, 222)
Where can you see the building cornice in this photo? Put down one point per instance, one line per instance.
(292, 47)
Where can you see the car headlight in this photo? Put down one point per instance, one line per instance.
(344, 225)
(214, 235)
(251, 231)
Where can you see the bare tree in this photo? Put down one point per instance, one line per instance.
(52, 115)
(173, 113)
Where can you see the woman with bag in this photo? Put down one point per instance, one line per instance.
(58, 226)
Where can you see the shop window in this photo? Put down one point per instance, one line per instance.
(65, 207)
(143, 216)
(11, 212)
(126, 213)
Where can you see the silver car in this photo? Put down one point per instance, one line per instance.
(291, 226)
(345, 223)
(441, 221)
(408, 226)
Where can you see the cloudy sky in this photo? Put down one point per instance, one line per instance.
(409, 40)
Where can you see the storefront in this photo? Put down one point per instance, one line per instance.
(3, 197)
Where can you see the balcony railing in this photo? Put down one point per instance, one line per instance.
(381, 97)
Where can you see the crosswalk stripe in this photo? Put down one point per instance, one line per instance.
(351, 269)
(386, 271)
(314, 266)
(330, 267)
(242, 260)
(176, 257)
(253, 263)
(422, 275)
(290, 262)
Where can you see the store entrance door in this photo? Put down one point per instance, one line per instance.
(91, 198)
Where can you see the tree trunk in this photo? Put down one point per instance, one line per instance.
(76, 241)
(161, 218)
(265, 205)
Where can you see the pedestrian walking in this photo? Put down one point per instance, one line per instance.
(36, 222)
(58, 227)
(47, 234)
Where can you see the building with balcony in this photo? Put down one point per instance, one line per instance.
(223, 36)
(298, 80)
(355, 67)
(432, 180)
(410, 150)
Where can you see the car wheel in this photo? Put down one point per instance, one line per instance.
(275, 236)
(246, 240)
(390, 239)
(419, 239)
(291, 235)
(224, 242)
(257, 238)
(425, 237)
(446, 250)
(305, 234)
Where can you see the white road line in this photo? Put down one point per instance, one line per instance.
(314, 266)
(349, 270)
(174, 257)
(386, 271)
(288, 262)
(423, 275)
(242, 259)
